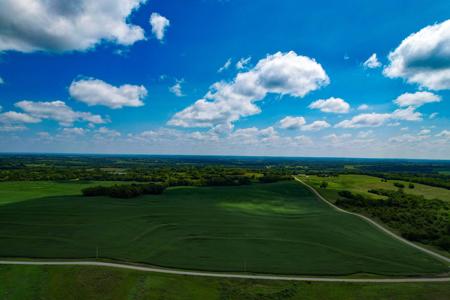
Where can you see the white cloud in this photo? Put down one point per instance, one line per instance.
(106, 133)
(159, 25)
(97, 92)
(290, 122)
(225, 66)
(407, 114)
(316, 126)
(376, 119)
(408, 138)
(1, 81)
(444, 133)
(12, 128)
(363, 107)
(226, 102)
(243, 62)
(176, 89)
(74, 131)
(57, 26)
(433, 115)
(416, 99)
(254, 135)
(365, 134)
(302, 140)
(12, 117)
(423, 58)
(58, 111)
(372, 62)
(331, 105)
(336, 139)
(364, 120)
(424, 131)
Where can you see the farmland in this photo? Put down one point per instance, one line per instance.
(266, 228)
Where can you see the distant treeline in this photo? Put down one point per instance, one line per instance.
(416, 218)
(124, 190)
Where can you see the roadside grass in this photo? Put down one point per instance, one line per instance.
(76, 282)
(361, 184)
(279, 228)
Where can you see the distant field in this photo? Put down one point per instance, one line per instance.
(362, 183)
(19, 190)
(270, 228)
(91, 283)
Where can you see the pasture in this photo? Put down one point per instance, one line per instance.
(266, 228)
(361, 184)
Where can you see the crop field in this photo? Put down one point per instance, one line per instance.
(57, 282)
(361, 184)
(266, 228)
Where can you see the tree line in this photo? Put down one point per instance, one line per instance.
(414, 217)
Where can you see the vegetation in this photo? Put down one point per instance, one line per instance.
(268, 228)
(416, 218)
(92, 283)
(361, 184)
(124, 190)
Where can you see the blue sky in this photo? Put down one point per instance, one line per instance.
(123, 76)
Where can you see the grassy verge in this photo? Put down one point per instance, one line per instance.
(67, 282)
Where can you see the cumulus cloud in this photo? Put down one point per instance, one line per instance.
(57, 26)
(12, 117)
(58, 111)
(423, 58)
(243, 62)
(74, 131)
(364, 120)
(407, 114)
(444, 133)
(416, 99)
(363, 107)
(159, 25)
(377, 119)
(1, 81)
(226, 102)
(97, 92)
(176, 89)
(408, 138)
(331, 105)
(372, 62)
(290, 122)
(315, 126)
(336, 139)
(226, 65)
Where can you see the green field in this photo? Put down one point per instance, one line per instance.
(14, 191)
(361, 184)
(270, 228)
(86, 283)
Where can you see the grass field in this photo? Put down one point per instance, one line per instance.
(270, 228)
(362, 183)
(15, 191)
(87, 283)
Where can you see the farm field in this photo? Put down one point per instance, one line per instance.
(361, 184)
(15, 191)
(58, 282)
(266, 228)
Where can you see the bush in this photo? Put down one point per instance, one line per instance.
(399, 185)
(411, 186)
(324, 185)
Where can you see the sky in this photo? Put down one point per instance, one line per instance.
(211, 77)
